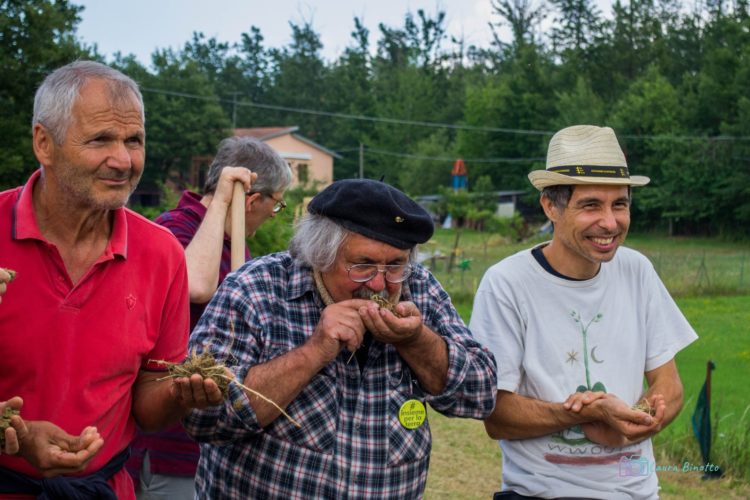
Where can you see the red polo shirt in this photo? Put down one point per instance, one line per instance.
(73, 352)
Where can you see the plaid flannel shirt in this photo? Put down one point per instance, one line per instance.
(351, 444)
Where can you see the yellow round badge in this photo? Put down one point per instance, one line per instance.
(412, 413)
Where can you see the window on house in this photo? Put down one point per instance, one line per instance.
(303, 174)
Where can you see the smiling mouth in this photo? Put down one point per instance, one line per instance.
(603, 241)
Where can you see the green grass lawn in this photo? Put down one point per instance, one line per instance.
(724, 337)
(712, 285)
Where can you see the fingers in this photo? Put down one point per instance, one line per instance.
(67, 462)
(578, 400)
(601, 433)
(11, 442)
(15, 402)
(81, 449)
(229, 175)
(626, 420)
(354, 304)
(340, 327)
(657, 404)
(53, 451)
(390, 329)
(17, 425)
(197, 392)
(4, 278)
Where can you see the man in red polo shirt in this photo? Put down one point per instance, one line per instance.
(99, 293)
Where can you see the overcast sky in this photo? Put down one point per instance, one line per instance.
(140, 26)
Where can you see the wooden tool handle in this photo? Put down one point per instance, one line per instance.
(238, 226)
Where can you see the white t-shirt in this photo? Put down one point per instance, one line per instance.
(551, 336)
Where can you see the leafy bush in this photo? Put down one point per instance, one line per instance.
(274, 234)
(167, 201)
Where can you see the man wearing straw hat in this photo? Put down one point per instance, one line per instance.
(575, 324)
(355, 374)
(164, 463)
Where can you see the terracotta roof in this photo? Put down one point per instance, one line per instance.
(264, 133)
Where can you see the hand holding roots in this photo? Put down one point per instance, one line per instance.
(384, 304)
(207, 367)
(644, 406)
(11, 272)
(8, 412)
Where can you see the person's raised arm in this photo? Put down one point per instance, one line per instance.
(203, 253)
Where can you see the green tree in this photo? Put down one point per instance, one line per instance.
(519, 100)
(576, 31)
(579, 105)
(410, 83)
(485, 198)
(349, 89)
(521, 16)
(36, 37)
(428, 173)
(178, 127)
(299, 77)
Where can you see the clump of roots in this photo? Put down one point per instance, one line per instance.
(385, 304)
(8, 412)
(205, 365)
(644, 406)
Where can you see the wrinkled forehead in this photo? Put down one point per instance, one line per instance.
(110, 93)
(357, 247)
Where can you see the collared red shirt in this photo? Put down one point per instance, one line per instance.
(351, 443)
(75, 350)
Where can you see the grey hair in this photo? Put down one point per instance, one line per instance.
(274, 174)
(56, 96)
(317, 240)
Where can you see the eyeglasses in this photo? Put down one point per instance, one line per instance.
(278, 207)
(280, 204)
(395, 273)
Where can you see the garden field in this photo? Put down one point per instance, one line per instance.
(710, 284)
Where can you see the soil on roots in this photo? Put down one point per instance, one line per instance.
(8, 412)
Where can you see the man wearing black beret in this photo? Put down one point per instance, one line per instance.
(350, 336)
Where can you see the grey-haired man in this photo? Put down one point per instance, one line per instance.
(288, 323)
(575, 324)
(100, 292)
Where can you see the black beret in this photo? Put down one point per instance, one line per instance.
(375, 210)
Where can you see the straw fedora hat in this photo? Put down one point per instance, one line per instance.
(585, 154)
